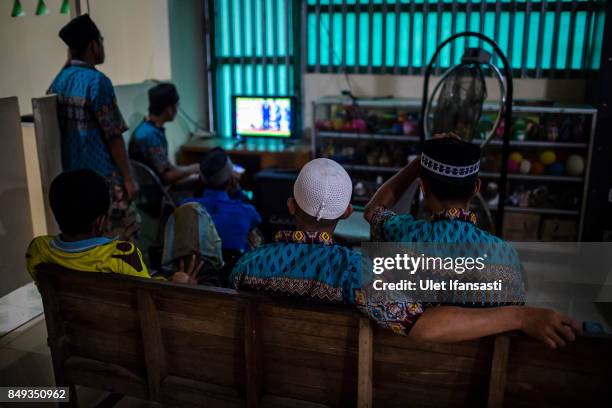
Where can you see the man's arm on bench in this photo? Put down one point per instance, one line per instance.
(451, 324)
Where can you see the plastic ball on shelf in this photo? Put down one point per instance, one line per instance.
(337, 124)
(516, 156)
(410, 127)
(525, 167)
(548, 157)
(575, 165)
(513, 166)
(556, 169)
(537, 168)
(360, 125)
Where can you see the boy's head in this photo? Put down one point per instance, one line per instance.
(321, 195)
(80, 201)
(449, 169)
(163, 101)
(83, 38)
(217, 170)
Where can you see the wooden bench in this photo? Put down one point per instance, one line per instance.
(212, 347)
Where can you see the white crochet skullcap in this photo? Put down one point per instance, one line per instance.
(323, 189)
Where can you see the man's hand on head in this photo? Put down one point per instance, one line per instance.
(549, 326)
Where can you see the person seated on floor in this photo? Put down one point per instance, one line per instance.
(307, 263)
(149, 145)
(236, 220)
(80, 201)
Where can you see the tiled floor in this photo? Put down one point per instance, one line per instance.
(19, 307)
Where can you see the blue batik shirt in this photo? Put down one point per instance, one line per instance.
(310, 265)
(88, 117)
(150, 146)
(233, 217)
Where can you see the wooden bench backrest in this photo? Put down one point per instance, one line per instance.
(202, 346)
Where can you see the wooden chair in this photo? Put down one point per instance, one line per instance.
(213, 347)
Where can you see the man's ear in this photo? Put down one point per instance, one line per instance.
(347, 212)
(291, 206)
(477, 186)
(423, 186)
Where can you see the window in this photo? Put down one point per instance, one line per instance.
(555, 38)
(253, 52)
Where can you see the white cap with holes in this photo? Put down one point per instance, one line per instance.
(323, 189)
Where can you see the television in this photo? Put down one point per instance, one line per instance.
(263, 116)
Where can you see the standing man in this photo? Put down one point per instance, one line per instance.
(91, 123)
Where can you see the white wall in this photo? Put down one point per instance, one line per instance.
(135, 36)
(31, 52)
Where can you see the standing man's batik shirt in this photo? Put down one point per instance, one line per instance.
(89, 118)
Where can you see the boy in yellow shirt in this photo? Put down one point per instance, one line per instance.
(80, 201)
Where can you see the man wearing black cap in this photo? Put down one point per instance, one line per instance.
(448, 169)
(91, 123)
(149, 144)
(235, 219)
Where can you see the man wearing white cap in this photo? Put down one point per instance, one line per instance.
(306, 262)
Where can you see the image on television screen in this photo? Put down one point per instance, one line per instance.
(264, 117)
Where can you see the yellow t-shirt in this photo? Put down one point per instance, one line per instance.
(91, 255)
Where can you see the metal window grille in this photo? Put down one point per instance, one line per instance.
(252, 52)
(541, 38)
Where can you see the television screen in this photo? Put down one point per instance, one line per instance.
(263, 116)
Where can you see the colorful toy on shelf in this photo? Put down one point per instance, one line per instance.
(556, 169)
(323, 124)
(410, 127)
(537, 168)
(532, 132)
(360, 126)
(337, 124)
(575, 165)
(516, 156)
(552, 132)
(525, 167)
(519, 129)
(513, 166)
(548, 157)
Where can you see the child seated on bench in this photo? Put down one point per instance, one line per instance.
(307, 263)
(80, 201)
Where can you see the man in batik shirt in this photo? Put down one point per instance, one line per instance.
(149, 145)
(91, 123)
(448, 170)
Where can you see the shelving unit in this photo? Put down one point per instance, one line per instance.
(396, 144)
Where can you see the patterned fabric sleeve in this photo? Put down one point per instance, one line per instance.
(104, 104)
(157, 157)
(395, 314)
(377, 223)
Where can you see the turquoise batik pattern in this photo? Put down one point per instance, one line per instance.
(89, 117)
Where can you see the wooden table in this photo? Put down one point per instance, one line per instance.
(253, 155)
